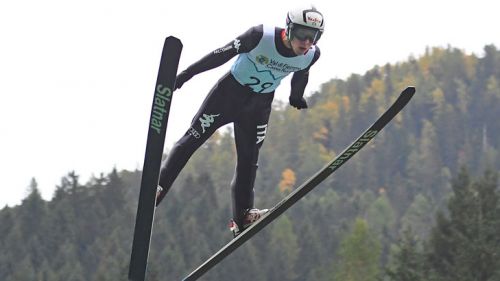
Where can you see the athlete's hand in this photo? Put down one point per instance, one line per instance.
(182, 78)
(298, 102)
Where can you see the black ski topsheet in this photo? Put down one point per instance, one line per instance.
(154, 149)
(310, 184)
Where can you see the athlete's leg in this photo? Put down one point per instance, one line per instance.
(214, 113)
(249, 133)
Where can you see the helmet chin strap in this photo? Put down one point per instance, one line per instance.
(288, 32)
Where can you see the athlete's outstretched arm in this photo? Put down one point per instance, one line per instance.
(241, 44)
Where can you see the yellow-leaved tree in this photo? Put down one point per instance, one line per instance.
(287, 180)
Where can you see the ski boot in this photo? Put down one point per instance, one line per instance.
(251, 216)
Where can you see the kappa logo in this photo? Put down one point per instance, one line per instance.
(207, 120)
(261, 133)
(237, 44)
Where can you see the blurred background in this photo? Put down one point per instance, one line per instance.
(77, 81)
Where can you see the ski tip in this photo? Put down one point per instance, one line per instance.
(173, 39)
(410, 90)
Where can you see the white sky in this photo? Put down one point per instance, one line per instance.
(77, 77)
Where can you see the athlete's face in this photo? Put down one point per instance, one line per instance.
(300, 47)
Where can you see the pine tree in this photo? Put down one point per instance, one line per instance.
(464, 246)
(285, 250)
(419, 217)
(381, 216)
(407, 259)
(6, 223)
(24, 270)
(32, 211)
(359, 255)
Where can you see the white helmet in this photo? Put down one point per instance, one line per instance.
(305, 23)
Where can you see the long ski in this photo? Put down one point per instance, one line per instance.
(307, 186)
(152, 160)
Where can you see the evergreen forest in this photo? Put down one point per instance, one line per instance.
(420, 202)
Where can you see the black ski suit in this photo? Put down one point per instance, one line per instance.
(230, 101)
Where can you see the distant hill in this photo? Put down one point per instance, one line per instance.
(398, 182)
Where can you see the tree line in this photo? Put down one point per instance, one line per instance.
(420, 202)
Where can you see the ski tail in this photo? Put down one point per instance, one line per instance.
(154, 147)
(307, 186)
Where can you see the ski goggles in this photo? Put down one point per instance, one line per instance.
(305, 33)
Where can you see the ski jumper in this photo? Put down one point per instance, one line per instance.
(243, 97)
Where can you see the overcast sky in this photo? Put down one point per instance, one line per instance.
(77, 77)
